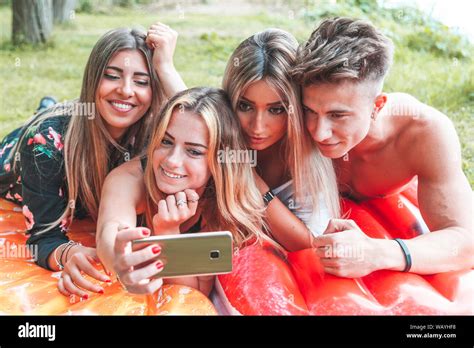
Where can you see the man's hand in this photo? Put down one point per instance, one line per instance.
(346, 251)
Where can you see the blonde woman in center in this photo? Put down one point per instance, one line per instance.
(289, 167)
(179, 186)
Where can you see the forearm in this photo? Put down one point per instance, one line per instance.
(439, 251)
(204, 283)
(62, 254)
(52, 265)
(58, 257)
(171, 80)
(106, 242)
(192, 282)
(285, 227)
(43, 246)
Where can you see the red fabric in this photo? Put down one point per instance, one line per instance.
(261, 281)
(260, 271)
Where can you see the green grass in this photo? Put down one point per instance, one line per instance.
(205, 43)
(445, 84)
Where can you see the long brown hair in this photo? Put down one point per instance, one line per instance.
(89, 149)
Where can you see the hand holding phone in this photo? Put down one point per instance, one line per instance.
(193, 254)
(135, 269)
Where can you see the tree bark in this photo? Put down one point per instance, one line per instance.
(32, 21)
(63, 10)
(123, 3)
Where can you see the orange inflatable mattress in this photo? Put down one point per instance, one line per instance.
(26, 288)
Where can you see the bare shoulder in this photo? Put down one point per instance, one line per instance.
(426, 136)
(126, 179)
(131, 169)
(125, 184)
(413, 111)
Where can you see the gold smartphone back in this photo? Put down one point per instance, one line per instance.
(193, 254)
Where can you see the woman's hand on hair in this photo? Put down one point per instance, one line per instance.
(174, 210)
(346, 251)
(80, 260)
(136, 269)
(162, 39)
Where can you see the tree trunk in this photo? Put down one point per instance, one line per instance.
(63, 10)
(123, 3)
(32, 21)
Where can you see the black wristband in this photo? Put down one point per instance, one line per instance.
(406, 253)
(267, 197)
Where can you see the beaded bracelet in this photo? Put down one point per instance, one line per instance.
(67, 246)
(55, 256)
(70, 247)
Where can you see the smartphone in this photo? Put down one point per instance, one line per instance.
(204, 253)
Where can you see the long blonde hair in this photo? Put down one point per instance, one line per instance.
(231, 200)
(89, 149)
(269, 55)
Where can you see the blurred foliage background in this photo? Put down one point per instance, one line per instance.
(432, 62)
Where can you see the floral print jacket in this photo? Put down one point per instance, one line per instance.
(38, 183)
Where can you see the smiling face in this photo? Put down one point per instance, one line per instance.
(262, 115)
(124, 94)
(181, 160)
(338, 116)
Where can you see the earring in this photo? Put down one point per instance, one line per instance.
(373, 114)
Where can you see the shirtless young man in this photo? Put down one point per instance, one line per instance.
(379, 143)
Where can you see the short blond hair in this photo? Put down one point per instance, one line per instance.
(343, 49)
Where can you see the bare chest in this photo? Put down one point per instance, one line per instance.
(379, 175)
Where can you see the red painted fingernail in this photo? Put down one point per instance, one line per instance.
(101, 291)
(85, 297)
(108, 281)
(145, 232)
(159, 265)
(156, 249)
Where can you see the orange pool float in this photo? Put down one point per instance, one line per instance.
(26, 288)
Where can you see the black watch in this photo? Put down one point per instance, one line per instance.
(267, 197)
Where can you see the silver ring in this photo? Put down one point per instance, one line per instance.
(180, 202)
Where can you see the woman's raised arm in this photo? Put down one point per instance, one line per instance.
(163, 39)
(121, 202)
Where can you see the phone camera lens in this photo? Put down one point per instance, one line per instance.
(214, 254)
